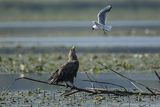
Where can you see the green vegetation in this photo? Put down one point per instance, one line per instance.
(49, 62)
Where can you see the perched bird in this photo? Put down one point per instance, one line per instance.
(68, 71)
(101, 24)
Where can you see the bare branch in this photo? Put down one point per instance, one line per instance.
(157, 75)
(108, 83)
(71, 92)
(90, 80)
(136, 87)
(131, 80)
(72, 87)
(44, 82)
(92, 90)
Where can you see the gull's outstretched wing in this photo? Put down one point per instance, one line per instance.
(102, 14)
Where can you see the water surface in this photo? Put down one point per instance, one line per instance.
(148, 79)
(26, 93)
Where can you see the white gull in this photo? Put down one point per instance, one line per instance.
(101, 24)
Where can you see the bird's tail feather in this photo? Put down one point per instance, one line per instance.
(53, 78)
(53, 81)
(108, 28)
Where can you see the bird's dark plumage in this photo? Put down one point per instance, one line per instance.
(68, 71)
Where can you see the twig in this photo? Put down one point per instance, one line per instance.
(131, 80)
(90, 80)
(94, 79)
(157, 75)
(71, 92)
(108, 83)
(136, 86)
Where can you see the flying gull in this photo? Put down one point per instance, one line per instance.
(101, 24)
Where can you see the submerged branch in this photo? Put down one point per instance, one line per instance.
(91, 90)
(131, 80)
(72, 87)
(90, 80)
(136, 87)
(35, 80)
(70, 93)
(107, 83)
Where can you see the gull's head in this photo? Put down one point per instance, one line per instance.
(72, 54)
(94, 27)
(110, 7)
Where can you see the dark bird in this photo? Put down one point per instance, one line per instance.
(68, 71)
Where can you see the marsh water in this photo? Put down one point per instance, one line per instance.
(81, 41)
(21, 88)
(148, 79)
(85, 44)
(79, 24)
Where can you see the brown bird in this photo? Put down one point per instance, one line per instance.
(68, 71)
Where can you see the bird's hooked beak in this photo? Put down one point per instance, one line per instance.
(73, 48)
(72, 54)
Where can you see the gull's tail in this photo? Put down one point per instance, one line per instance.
(108, 28)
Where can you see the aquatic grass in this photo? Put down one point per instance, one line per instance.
(49, 62)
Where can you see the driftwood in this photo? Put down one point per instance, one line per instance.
(120, 92)
(72, 87)
(131, 80)
(75, 89)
